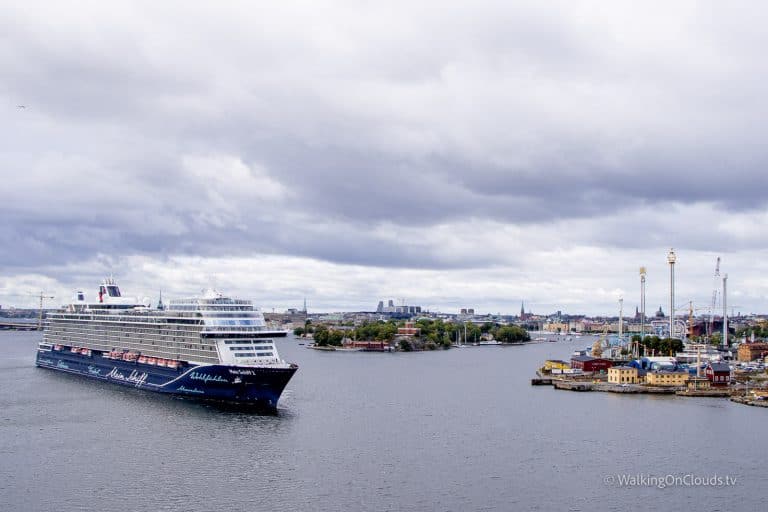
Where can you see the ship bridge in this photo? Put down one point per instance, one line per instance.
(235, 326)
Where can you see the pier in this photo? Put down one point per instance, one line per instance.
(579, 385)
(18, 326)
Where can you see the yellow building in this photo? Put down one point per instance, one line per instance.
(623, 375)
(555, 327)
(556, 364)
(661, 378)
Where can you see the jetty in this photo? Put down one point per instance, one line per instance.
(713, 393)
(19, 326)
(605, 387)
(749, 401)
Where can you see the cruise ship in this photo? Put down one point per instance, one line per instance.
(210, 347)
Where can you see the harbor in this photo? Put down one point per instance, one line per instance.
(399, 427)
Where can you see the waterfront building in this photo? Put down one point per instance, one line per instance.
(556, 364)
(371, 346)
(719, 374)
(590, 364)
(751, 351)
(698, 384)
(666, 378)
(408, 330)
(623, 375)
(556, 327)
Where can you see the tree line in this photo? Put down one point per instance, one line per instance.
(433, 333)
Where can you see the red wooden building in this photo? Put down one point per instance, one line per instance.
(590, 364)
(719, 374)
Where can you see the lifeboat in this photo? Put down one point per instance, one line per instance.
(161, 361)
(143, 359)
(130, 356)
(86, 352)
(173, 364)
(57, 347)
(151, 360)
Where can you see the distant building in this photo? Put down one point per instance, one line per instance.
(624, 375)
(555, 327)
(590, 364)
(719, 374)
(556, 364)
(408, 330)
(372, 346)
(751, 351)
(665, 378)
(391, 309)
(698, 384)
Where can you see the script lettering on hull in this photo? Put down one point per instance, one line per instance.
(188, 390)
(206, 377)
(135, 377)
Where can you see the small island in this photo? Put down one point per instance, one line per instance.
(406, 336)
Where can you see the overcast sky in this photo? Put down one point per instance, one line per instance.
(447, 155)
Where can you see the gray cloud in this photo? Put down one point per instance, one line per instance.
(373, 136)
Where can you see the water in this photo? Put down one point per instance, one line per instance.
(446, 431)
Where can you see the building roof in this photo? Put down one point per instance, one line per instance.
(720, 367)
(755, 346)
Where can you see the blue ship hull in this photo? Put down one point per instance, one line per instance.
(258, 387)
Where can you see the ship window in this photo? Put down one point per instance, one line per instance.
(245, 354)
(114, 291)
(264, 354)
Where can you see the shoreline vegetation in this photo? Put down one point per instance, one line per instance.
(423, 334)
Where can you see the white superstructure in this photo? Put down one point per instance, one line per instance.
(209, 329)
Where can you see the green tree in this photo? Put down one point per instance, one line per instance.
(511, 334)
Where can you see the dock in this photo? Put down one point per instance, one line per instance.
(18, 326)
(747, 401)
(713, 393)
(575, 385)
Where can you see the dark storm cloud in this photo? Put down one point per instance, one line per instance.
(158, 131)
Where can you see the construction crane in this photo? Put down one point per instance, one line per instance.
(716, 281)
(42, 296)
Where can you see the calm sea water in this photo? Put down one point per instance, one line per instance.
(448, 431)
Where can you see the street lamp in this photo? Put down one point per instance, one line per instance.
(671, 258)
